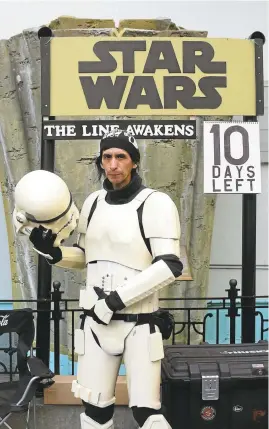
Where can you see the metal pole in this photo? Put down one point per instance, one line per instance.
(249, 203)
(47, 163)
(56, 317)
(232, 311)
(44, 276)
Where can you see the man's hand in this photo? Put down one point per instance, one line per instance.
(106, 306)
(43, 240)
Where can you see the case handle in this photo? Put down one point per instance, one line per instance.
(224, 370)
(195, 372)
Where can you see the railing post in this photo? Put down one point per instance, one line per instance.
(232, 310)
(56, 297)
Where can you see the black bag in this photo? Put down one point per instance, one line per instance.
(216, 386)
(165, 322)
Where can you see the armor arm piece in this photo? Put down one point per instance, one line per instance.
(169, 251)
(162, 227)
(72, 257)
(165, 267)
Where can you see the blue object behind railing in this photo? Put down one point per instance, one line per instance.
(6, 306)
(224, 322)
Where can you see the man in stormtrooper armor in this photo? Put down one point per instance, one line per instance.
(128, 238)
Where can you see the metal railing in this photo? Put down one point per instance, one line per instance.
(190, 321)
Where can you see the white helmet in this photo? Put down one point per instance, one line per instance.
(43, 198)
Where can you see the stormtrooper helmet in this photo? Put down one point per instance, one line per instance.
(43, 198)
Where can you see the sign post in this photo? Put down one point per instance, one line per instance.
(44, 269)
(232, 165)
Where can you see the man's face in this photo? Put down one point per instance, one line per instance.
(118, 166)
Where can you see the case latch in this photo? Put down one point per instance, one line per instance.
(210, 387)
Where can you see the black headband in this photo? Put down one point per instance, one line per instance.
(120, 142)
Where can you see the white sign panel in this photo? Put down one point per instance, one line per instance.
(232, 158)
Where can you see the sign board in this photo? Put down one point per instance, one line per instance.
(95, 76)
(143, 129)
(232, 158)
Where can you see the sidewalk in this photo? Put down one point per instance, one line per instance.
(67, 417)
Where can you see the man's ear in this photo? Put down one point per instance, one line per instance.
(135, 166)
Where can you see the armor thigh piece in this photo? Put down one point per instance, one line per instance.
(100, 349)
(142, 358)
(97, 370)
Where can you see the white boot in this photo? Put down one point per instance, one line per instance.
(88, 423)
(156, 421)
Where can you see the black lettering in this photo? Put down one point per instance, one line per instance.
(214, 189)
(238, 183)
(173, 95)
(227, 145)
(151, 96)
(208, 85)
(251, 183)
(227, 185)
(168, 62)
(204, 61)
(239, 169)
(107, 63)
(250, 171)
(215, 171)
(216, 141)
(228, 172)
(103, 89)
(185, 96)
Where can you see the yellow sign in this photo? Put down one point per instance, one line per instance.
(151, 76)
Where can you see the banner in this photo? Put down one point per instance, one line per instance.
(95, 76)
(92, 130)
(232, 158)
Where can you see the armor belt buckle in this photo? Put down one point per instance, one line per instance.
(131, 318)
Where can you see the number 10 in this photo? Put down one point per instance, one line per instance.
(215, 130)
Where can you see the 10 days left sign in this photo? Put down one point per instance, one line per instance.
(232, 158)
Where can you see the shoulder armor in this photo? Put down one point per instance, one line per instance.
(85, 211)
(160, 217)
(101, 194)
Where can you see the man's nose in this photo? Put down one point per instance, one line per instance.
(113, 163)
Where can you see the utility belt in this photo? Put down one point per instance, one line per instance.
(161, 318)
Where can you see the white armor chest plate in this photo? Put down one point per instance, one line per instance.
(114, 235)
(113, 239)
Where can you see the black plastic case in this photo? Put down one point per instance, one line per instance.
(216, 386)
